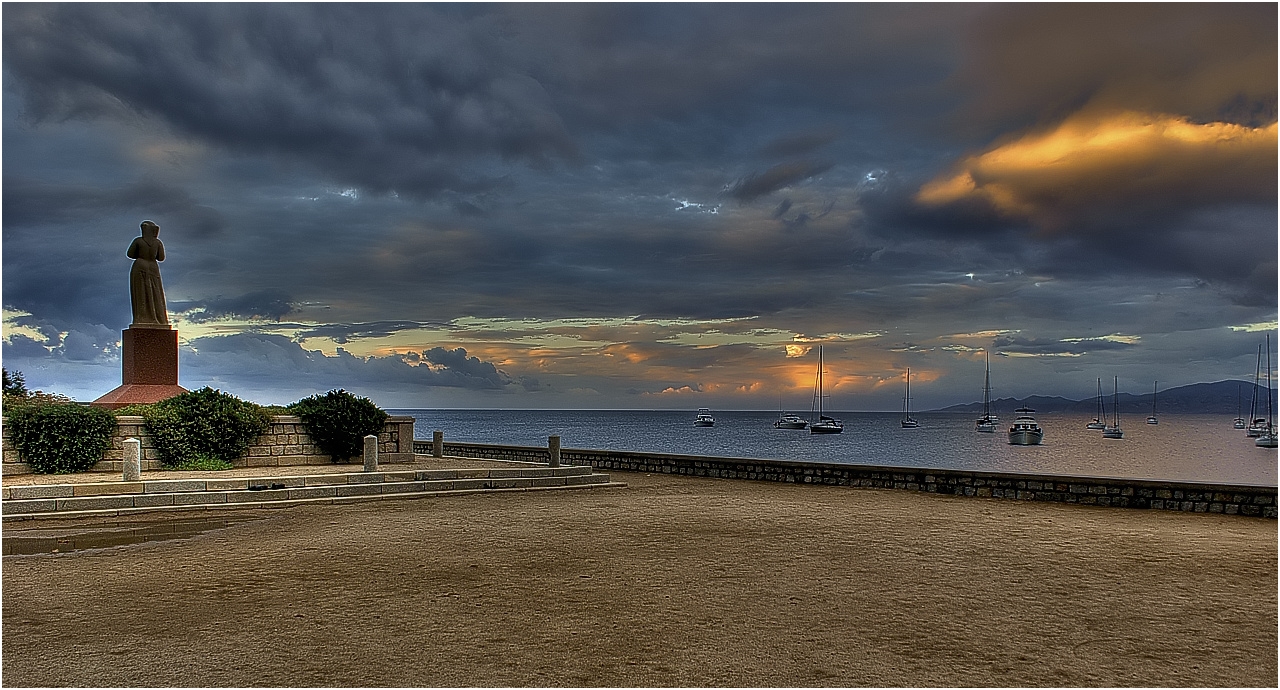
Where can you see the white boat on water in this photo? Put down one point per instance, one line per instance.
(704, 418)
(1258, 423)
(908, 422)
(1098, 422)
(824, 424)
(788, 420)
(1239, 421)
(986, 423)
(1025, 431)
(1267, 439)
(1113, 430)
(1152, 419)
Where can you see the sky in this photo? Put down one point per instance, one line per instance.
(644, 206)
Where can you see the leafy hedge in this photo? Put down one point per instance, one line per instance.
(204, 429)
(59, 437)
(338, 422)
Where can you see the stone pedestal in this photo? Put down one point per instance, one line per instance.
(148, 368)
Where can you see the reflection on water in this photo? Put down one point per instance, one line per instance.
(65, 539)
(1200, 448)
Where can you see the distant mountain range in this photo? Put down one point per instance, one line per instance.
(1197, 398)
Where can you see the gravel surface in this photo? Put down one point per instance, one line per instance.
(672, 581)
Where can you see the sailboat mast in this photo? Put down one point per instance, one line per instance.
(1115, 400)
(1271, 420)
(1155, 387)
(1253, 403)
(986, 390)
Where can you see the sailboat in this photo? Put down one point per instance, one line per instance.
(1257, 425)
(986, 423)
(1114, 430)
(824, 424)
(908, 422)
(1239, 421)
(1268, 438)
(1098, 422)
(1152, 419)
(788, 420)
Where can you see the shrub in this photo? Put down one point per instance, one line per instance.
(192, 429)
(60, 437)
(338, 422)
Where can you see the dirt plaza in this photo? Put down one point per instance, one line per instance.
(671, 581)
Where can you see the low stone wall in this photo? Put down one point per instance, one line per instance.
(286, 443)
(1230, 499)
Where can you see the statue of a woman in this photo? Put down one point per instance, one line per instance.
(145, 291)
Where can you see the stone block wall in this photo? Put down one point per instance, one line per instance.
(286, 443)
(1192, 497)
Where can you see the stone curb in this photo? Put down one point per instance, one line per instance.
(289, 503)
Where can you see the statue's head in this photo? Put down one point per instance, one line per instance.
(150, 229)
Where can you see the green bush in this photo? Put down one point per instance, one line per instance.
(338, 422)
(203, 429)
(59, 437)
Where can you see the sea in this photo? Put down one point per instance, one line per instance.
(1200, 448)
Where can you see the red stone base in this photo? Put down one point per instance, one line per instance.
(134, 393)
(148, 368)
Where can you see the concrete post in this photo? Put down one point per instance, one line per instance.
(437, 444)
(553, 447)
(370, 453)
(132, 460)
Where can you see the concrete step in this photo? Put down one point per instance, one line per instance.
(131, 498)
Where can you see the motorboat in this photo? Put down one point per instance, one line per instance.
(788, 420)
(1113, 430)
(986, 423)
(704, 418)
(824, 424)
(1098, 422)
(1025, 431)
(1152, 419)
(908, 422)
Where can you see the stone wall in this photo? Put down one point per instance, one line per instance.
(1255, 501)
(285, 443)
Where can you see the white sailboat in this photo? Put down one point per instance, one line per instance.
(824, 424)
(1239, 421)
(1257, 424)
(986, 423)
(1267, 439)
(1152, 419)
(1113, 430)
(908, 422)
(1098, 421)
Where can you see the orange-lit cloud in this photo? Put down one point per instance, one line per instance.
(1123, 158)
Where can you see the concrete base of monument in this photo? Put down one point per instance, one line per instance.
(135, 393)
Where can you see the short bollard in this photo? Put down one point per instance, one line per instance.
(370, 453)
(437, 444)
(132, 460)
(553, 448)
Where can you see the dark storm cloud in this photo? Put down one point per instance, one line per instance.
(266, 304)
(756, 185)
(31, 202)
(1031, 64)
(1040, 346)
(342, 333)
(800, 144)
(380, 95)
(247, 356)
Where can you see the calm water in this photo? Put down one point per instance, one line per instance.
(1180, 447)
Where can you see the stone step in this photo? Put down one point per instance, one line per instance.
(127, 498)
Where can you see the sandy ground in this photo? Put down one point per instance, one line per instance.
(670, 581)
